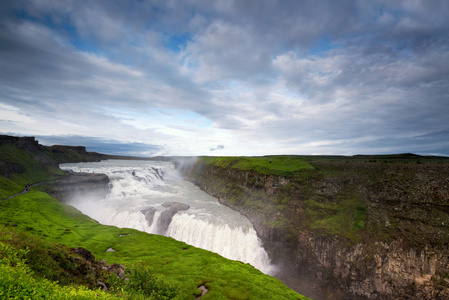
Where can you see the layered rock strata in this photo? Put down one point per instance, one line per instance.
(400, 252)
(80, 185)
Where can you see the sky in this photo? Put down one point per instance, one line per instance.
(242, 77)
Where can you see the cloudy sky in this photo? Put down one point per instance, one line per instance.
(242, 77)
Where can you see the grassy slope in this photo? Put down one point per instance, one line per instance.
(31, 171)
(18, 282)
(185, 266)
(188, 266)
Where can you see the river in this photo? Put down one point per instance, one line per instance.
(150, 196)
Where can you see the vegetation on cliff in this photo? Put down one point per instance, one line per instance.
(351, 197)
(24, 161)
(287, 166)
(376, 225)
(179, 264)
(38, 236)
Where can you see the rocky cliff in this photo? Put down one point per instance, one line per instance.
(51, 155)
(78, 185)
(347, 228)
(36, 163)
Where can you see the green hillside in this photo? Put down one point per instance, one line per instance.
(18, 168)
(38, 234)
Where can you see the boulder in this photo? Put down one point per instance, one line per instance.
(149, 214)
(167, 215)
(84, 253)
(80, 184)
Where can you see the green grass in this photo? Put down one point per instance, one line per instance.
(66, 154)
(18, 168)
(18, 281)
(178, 263)
(286, 166)
(45, 228)
(37, 261)
(345, 218)
(254, 197)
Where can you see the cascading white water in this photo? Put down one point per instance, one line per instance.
(151, 197)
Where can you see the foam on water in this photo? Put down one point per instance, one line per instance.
(139, 186)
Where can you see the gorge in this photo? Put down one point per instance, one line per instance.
(368, 227)
(43, 240)
(344, 227)
(150, 196)
(339, 228)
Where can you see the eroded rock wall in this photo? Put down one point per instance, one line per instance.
(376, 270)
(401, 254)
(80, 185)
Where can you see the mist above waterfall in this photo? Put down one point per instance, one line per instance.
(150, 196)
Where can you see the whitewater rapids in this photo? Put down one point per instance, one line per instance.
(141, 193)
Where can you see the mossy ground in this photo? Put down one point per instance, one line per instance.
(36, 232)
(18, 168)
(45, 228)
(380, 197)
(180, 264)
(267, 165)
(345, 217)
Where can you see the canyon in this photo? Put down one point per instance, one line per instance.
(347, 227)
(42, 231)
(360, 227)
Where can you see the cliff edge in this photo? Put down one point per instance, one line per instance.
(24, 161)
(363, 226)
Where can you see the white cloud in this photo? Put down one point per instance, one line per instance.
(13, 114)
(258, 77)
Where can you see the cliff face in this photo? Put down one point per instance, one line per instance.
(50, 155)
(78, 185)
(347, 228)
(35, 163)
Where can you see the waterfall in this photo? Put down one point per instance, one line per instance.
(150, 196)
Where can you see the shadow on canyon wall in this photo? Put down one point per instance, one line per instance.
(344, 227)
